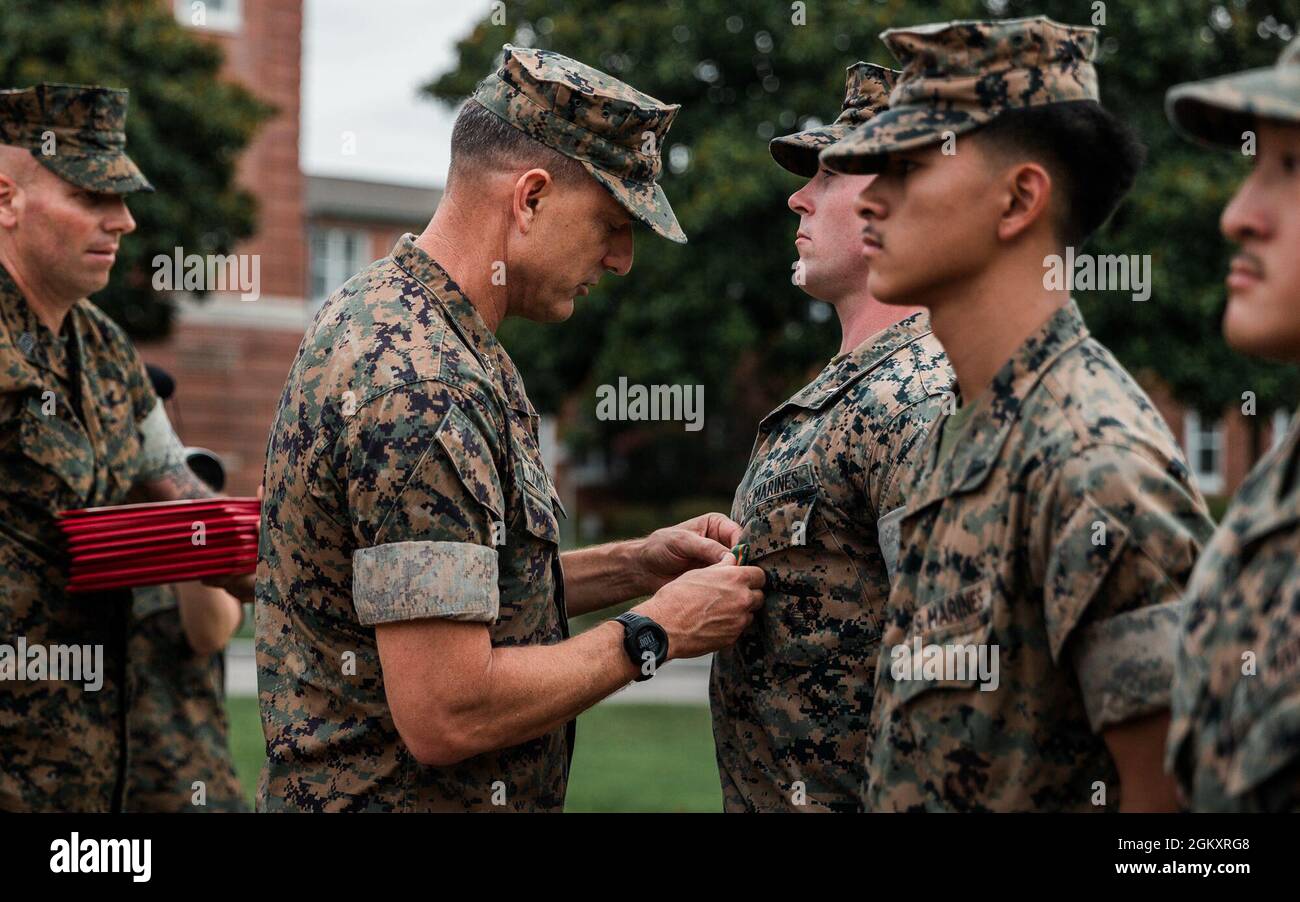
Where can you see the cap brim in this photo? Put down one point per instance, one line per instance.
(865, 150)
(1216, 111)
(647, 202)
(798, 153)
(114, 173)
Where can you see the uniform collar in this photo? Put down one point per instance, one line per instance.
(853, 365)
(1279, 497)
(997, 409)
(465, 319)
(26, 344)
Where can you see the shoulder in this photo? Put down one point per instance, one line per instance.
(384, 333)
(908, 385)
(101, 334)
(1088, 408)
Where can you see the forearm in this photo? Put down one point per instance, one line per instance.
(175, 484)
(602, 575)
(1137, 747)
(533, 690)
(209, 617)
(507, 696)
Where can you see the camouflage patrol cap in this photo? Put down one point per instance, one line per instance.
(612, 129)
(958, 76)
(1216, 111)
(866, 93)
(78, 132)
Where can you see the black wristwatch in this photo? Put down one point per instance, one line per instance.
(642, 636)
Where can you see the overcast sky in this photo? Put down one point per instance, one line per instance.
(363, 65)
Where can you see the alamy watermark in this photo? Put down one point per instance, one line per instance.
(69, 663)
(653, 402)
(940, 663)
(180, 271)
(1108, 272)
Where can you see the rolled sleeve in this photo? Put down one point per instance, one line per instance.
(415, 580)
(1125, 664)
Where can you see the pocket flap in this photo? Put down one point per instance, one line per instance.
(948, 646)
(59, 446)
(470, 454)
(780, 525)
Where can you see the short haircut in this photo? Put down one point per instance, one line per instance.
(1091, 154)
(483, 141)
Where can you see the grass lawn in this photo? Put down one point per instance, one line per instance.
(628, 758)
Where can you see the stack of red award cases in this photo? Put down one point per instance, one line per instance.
(165, 542)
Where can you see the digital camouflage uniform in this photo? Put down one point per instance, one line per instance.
(177, 719)
(1234, 743)
(404, 481)
(791, 699)
(1059, 531)
(72, 412)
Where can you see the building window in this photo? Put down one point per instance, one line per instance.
(218, 15)
(1281, 424)
(336, 256)
(1205, 452)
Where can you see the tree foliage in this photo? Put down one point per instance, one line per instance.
(722, 311)
(185, 128)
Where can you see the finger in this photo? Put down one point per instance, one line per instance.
(725, 530)
(699, 548)
(755, 599)
(754, 577)
(727, 559)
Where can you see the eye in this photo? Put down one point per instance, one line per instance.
(827, 174)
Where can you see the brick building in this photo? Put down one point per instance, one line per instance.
(230, 357)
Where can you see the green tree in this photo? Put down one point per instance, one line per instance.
(185, 128)
(722, 311)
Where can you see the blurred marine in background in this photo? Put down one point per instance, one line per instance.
(820, 504)
(80, 426)
(1234, 744)
(178, 729)
(413, 644)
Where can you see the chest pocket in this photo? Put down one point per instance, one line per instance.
(791, 632)
(57, 444)
(949, 642)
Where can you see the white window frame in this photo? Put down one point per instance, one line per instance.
(338, 270)
(1193, 431)
(228, 17)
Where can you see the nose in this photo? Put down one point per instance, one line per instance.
(869, 205)
(1246, 216)
(618, 259)
(800, 202)
(119, 219)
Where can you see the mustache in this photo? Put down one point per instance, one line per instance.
(1248, 261)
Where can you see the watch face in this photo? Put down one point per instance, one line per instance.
(645, 640)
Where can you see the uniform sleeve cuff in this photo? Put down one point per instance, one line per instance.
(1125, 664)
(414, 580)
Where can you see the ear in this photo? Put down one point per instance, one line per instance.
(10, 201)
(1026, 200)
(532, 189)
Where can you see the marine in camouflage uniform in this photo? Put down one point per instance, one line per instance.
(819, 503)
(404, 481)
(1060, 526)
(1234, 742)
(178, 725)
(77, 415)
